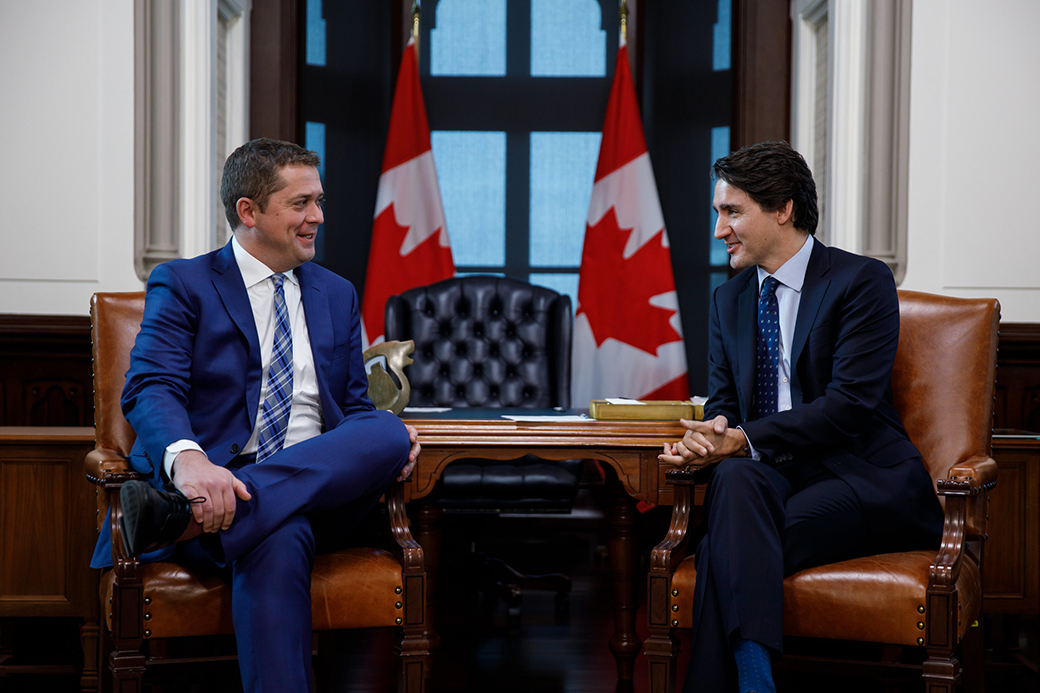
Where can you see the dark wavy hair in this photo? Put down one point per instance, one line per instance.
(771, 173)
(254, 170)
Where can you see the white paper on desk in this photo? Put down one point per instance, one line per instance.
(521, 417)
(623, 400)
(425, 410)
(699, 400)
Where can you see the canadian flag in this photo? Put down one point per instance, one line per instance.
(627, 333)
(409, 237)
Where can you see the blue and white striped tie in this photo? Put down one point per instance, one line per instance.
(275, 419)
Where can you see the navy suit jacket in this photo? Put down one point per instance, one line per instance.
(195, 368)
(845, 339)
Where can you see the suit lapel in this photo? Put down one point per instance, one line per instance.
(814, 288)
(747, 340)
(319, 320)
(232, 291)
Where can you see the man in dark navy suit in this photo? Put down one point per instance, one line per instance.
(812, 464)
(248, 395)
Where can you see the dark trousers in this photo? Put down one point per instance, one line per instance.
(268, 552)
(763, 523)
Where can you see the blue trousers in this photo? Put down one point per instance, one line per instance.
(763, 523)
(268, 552)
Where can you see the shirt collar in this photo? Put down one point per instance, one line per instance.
(253, 271)
(792, 273)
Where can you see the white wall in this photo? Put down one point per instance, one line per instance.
(67, 137)
(974, 227)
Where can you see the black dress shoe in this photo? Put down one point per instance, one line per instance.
(151, 518)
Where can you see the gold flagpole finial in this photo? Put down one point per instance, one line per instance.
(416, 11)
(623, 11)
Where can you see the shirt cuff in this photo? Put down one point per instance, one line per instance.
(174, 449)
(752, 453)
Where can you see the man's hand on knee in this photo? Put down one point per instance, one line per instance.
(195, 476)
(704, 443)
(413, 454)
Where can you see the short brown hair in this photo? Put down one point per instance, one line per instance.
(254, 170)
(771, 173)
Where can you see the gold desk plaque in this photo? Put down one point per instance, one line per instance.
(649, 410)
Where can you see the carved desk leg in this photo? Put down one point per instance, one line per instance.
(427, 532)
(625, 644)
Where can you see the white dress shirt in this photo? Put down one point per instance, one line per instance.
(791, 276)
(305, 415)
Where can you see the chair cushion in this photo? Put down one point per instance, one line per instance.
(871, 599)
(352, 588)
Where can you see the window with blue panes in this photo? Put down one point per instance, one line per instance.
(720, 145)
(516, 92)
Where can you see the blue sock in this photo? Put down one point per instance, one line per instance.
(754, 668)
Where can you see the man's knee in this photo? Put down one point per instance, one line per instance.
(393, 433)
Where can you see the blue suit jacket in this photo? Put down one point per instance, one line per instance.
(195, 368)
(845, 339)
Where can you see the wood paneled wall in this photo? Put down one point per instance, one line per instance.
(45, 371)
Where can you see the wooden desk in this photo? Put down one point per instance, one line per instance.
(47, 537)
(630, 448)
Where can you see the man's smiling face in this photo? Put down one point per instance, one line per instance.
(752, 235)
(282, 234)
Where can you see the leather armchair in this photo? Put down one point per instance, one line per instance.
(146, 603)
(943, 385)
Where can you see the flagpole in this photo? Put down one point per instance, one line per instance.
(416, 11)
(623, 11)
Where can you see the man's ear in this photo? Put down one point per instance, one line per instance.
(247, 210)
(785, 213)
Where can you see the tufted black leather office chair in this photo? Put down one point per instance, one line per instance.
(485, 341)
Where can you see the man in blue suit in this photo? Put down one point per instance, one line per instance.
(812, 463)
(248, 395)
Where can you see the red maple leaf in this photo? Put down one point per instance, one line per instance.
(614, 292)
(390, 273)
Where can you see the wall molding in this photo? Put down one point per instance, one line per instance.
(157, 136)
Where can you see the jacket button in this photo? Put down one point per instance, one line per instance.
(235, 449)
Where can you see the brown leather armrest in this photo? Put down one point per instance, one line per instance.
(966, 507)
(970, 480)
(100, 462)
(970, 477)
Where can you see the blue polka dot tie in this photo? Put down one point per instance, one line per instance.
(768, 349)
(274, 422)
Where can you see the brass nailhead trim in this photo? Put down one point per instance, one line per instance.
(675, 624)
(675, 593)
(398, 605)
(147, 633)
(148, 617)
(920, 641)
(920, 609)
(398, 620)
(920, 625)
(147, 600)
(397, 590)
(675, 607)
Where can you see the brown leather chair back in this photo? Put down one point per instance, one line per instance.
(943, 378)
(115, 320)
